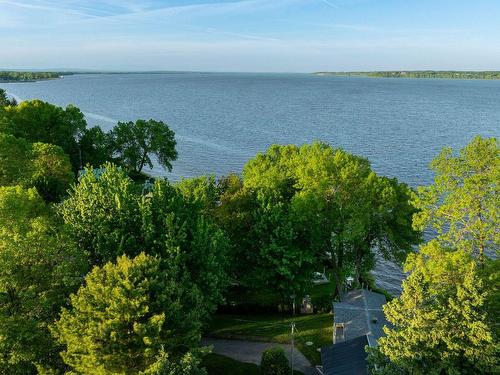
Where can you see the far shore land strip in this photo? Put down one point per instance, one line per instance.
(7, 76)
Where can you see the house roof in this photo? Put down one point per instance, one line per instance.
(345, 358)
(358, 311)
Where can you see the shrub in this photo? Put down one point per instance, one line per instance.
(274, 362)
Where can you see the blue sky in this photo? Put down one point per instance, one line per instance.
(250, 35)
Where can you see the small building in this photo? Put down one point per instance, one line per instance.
(358, 321)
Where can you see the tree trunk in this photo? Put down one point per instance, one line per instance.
(357, 266)
(338, 271)
(143, 160)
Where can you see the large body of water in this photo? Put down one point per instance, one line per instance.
(222, 120)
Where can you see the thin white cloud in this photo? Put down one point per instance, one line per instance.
(42, 6)
(212, 30)
(330, 3)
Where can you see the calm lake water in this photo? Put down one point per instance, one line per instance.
(222, 120)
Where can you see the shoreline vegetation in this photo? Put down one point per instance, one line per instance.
(441, 74)
(18, 76)
(27, 76)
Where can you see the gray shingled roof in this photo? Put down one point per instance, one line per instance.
(357, 311)
(345, 358)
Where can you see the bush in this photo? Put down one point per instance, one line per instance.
(274, 362)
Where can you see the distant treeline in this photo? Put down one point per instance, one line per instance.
(28, 76)
(449, 74)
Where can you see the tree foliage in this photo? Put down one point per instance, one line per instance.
(5, 100)
(439, 323)
(446, 320)
(38, 121)
(274, 362)
(40, 268)
(326, 207)
(101, 211)
(95, 147)
(109, 216)
(135, 142)
(39, 165)
(123, 320)
(463, 204)
(28, 76)
(446, 74)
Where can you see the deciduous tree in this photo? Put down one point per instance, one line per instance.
(463, 203)
(39, 165)
(125, 321)
(40, 268)
(339, 208)
(38, 121)
(135, 142)
(109, 215)
(440, 324)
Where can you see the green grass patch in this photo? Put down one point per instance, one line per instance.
(218, 365)
(316, 328)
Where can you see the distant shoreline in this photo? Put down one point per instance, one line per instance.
(35, 76)
(22, 76)
(438, 74)
(28, 81)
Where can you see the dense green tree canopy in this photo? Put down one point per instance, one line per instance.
(110, 215)
(135, 142)
(39, 165)
(14, 157)
(95, 147)
(339, 210)
(38, 121)
(123, 320)
(463, 204)
(446, 320)
(40, 267)
(440, 324)
(201, 191)
(28, 76)
(102, 212)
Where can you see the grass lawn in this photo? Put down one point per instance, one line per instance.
(316, 328)
(218, 365)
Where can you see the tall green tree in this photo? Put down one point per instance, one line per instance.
(95, 147)
(109, 215)
(446, 320)
(38, 121)
(102, 213)
(340, 209)
(463, 203)
(178, 231)
(283, 266)
(134, 143)
(40, 268)
(125, 320)
(439, 324)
